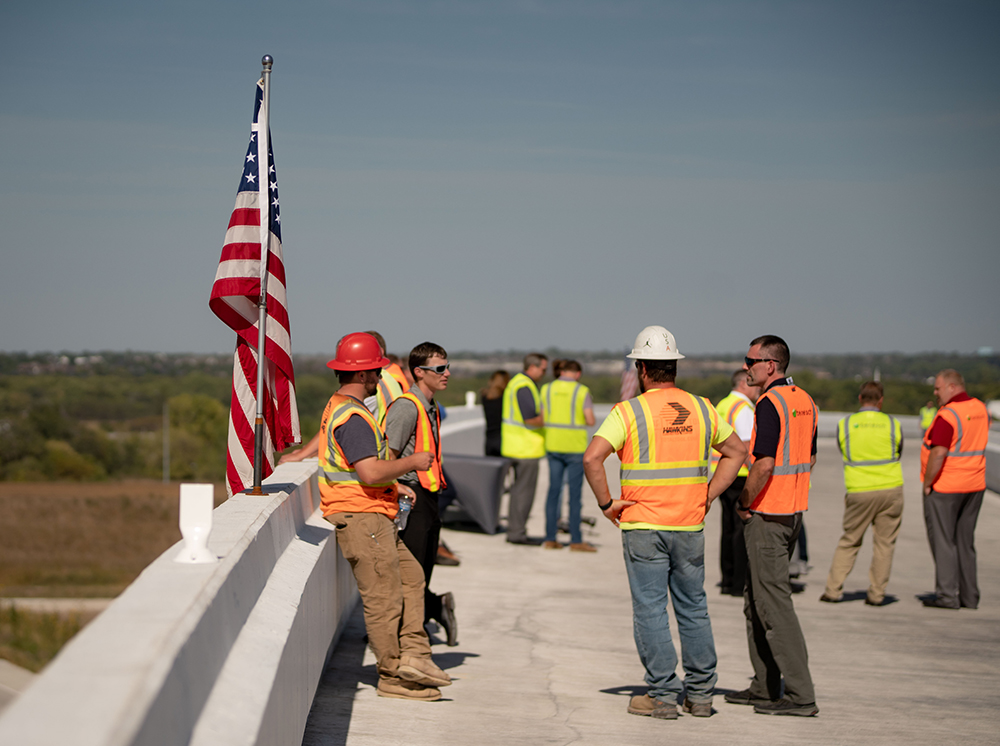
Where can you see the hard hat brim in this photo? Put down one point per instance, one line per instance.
(665, 356)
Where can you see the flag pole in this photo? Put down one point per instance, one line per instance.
(264, 202)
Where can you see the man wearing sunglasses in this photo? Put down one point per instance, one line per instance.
(783, 448)
(413, 425)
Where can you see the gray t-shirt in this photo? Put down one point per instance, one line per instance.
(356, 439)
(401, 428)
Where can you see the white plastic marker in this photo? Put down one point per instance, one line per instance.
(197, 503)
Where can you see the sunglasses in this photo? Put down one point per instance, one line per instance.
(752, 361)
(439, 369)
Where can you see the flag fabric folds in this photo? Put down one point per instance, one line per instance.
(630, 380)
(234, 299)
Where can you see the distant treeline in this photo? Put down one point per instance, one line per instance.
(91, 423)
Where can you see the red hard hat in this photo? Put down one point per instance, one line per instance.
(358, 351)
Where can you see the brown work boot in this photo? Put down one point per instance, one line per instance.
(399, 689)
(643, 704)
(552, 545)
(698, 709)
(422, 671)
(583, 546)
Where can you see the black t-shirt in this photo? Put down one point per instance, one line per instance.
(768, 426)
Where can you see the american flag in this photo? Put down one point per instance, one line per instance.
(630, 380)
(235, 294)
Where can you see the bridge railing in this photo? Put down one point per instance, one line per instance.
(228, 653)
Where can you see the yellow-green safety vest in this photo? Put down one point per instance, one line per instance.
(518, 440)
(388, 391)
(870, 442)
(729, 409)
(927, 416)
(565, 426)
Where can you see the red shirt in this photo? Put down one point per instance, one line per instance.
(941, 431)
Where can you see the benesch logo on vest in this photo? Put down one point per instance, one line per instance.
(797, 412)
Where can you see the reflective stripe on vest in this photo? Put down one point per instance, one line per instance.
(565, 426)
(341, 490)
(388, 391)
(787, 491)
(665, 456)
(729, 409)
(964, 468)
(518, 440)
(862, 437)
(432, 479)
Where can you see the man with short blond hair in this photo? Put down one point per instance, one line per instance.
(953, 473)
(872, 444)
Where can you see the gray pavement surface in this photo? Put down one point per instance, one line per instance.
(546, 654)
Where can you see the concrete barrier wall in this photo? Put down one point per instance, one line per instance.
(226, 654)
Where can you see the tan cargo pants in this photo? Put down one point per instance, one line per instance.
(391, 583)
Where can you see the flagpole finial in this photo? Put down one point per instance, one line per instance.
(267, 60)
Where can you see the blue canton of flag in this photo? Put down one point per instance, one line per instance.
(251, 174)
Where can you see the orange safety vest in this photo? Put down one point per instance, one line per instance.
(964, 468)
(340, 489)
(433, 478)
(396, 372)
(787, 491)
(664, 469)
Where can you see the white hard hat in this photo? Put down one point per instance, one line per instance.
(655, 343)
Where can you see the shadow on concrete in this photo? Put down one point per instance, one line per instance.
(330, 717)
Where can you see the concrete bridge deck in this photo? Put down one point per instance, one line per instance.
(546, 655)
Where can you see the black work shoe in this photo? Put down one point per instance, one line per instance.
(744, 698)
(937, 603)
(448, 620)
(786, 707)
(830, 599)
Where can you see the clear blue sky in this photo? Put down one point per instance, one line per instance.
(494, 175)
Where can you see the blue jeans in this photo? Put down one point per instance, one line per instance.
(665, 565)
(570, 464)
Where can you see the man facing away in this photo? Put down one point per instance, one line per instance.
(523, 440)
(359, 497)
(663, 438)
(776, 493)
(736, 409)
(872, 444)
(568, 410)
(413, 425)
(953, 473)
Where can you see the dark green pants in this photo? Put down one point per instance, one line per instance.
(777, 647)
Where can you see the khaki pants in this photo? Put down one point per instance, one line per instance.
(391, 583)
(883, 511)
